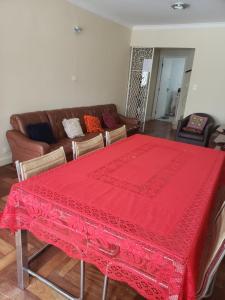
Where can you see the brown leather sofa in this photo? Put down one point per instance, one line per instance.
(23, 148)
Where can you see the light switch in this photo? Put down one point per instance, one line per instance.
(195, 87)
(74, 78)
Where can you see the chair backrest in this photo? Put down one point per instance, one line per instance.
(81, 148)
(115, 135)
(40, 164)
(216, 254)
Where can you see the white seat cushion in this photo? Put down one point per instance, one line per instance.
(72, 128)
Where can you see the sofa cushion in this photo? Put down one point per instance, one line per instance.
(98, 110)
(20, 121)
(111, 119)
(93, 124)
(41, 132)
(56, 116)
(192, 130)
(193, 136)
(72, 128)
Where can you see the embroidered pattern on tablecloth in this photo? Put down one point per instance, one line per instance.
(153, 185)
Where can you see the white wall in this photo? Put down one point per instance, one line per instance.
(39, 54)
(207, 88)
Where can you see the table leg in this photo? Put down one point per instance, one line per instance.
(82, 279)
(23, 271)
(22, 258)
(105, 287)
(209, 292)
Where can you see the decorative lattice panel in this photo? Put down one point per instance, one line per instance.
(138, 85)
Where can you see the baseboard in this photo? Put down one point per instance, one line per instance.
(5, 159)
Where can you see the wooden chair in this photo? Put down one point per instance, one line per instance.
(26, 170)
(115, 135)
(82, 148)
(40, 164)
(216, 255)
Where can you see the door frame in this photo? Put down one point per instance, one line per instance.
(157, 90)
(149, 84)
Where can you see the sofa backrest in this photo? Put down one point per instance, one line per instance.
(55, 117)
(20, 121)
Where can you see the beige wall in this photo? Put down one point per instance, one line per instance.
(39, 54)
(207, 86)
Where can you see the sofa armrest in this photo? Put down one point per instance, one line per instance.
(128, 120)
(24, 148)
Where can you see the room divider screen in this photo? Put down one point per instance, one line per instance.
(139, 83)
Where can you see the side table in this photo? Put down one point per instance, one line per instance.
(213, 144)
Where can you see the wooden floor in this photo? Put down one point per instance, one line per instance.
(160, 129)
(59, 268)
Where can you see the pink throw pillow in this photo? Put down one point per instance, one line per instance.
(197, 122)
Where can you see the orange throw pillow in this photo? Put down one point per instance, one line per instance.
(92, 124)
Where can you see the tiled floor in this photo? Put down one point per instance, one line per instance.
(56, 266)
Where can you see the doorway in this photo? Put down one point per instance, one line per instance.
(169, 83)
(158, 84)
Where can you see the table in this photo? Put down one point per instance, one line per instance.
(138, 210)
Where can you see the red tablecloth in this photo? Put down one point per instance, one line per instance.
(138, 210)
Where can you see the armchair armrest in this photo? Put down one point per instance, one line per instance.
(181, 123)
(208, 131)
(179, 126)
(184, 121)
(128, 120)
(209, 128)
(24, 148)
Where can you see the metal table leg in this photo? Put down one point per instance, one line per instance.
(105, 287)
(82, 279)
(23, 270)
(22, 258)
(38, 252)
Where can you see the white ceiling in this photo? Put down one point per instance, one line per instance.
(155, 12)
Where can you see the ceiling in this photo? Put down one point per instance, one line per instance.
(155, 12)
